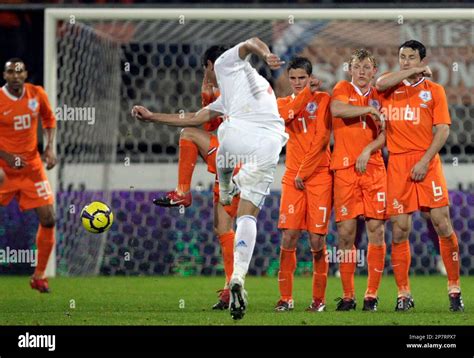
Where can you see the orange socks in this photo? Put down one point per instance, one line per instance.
(320, 274)
(227, 246)
(347, 268)
(44, 244)
(188, 153)
(448, 246)
(375, 265)
(285, 275)
(401, 261)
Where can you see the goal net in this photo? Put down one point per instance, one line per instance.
(107, 60)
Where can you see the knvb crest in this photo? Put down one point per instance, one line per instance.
(425, 96)
(374, 103)
(311, 107)
(33, 104)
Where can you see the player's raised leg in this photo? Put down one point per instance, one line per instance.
(448, 243)
(193, 141)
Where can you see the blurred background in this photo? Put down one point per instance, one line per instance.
(108, 65)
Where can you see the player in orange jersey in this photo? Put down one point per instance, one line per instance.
(307, 183)
(22, 175)
(359, 176)
(202, 142)
(417, 127)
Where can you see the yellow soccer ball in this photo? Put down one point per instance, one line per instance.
(97, 217)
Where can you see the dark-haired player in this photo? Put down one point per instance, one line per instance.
(22, 175)
(307, 183)
(417, 127)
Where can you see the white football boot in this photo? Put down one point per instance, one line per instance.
(238, 297)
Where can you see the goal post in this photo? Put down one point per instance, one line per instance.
(109, 59)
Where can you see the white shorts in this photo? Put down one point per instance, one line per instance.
(258, 154)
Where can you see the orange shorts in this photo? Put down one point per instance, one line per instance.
(360, 194)
(308, 209)
(29, 186)
(405, 196)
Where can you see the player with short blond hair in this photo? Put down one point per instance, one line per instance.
(359, 176)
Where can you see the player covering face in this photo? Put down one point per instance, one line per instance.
(417, 128)
(22, 175)
(252, 135)
(359, 176)
(307, 182)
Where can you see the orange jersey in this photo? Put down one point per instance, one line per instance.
(19, 120)
(308, 123)
(411, 111)
(206, 99)
(352, 135)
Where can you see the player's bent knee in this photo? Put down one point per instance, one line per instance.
(442, 227)
(187, 133)
(317, 241)
(289, 239)
(48, 221)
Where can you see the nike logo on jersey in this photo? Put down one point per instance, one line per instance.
(7, 112)
(398, 92)
(380, 211)
(319, 225)
(438, 199)
(352, 99)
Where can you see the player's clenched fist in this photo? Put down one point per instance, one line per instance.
(273, 61)
(141, 113)
(50, 158)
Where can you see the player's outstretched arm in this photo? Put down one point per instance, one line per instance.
(177, 120)
(344, 110)
(260, 48)
(391, 79)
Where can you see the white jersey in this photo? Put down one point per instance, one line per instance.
(246, 98)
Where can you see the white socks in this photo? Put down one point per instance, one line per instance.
(245, 237)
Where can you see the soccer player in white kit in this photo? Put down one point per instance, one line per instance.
(252, 136)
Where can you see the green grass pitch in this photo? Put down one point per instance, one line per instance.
(187, 301)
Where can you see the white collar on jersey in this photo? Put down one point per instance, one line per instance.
(359, 92)
(12, 97)
(407, 83)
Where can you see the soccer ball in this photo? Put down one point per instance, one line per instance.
(97, 217)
